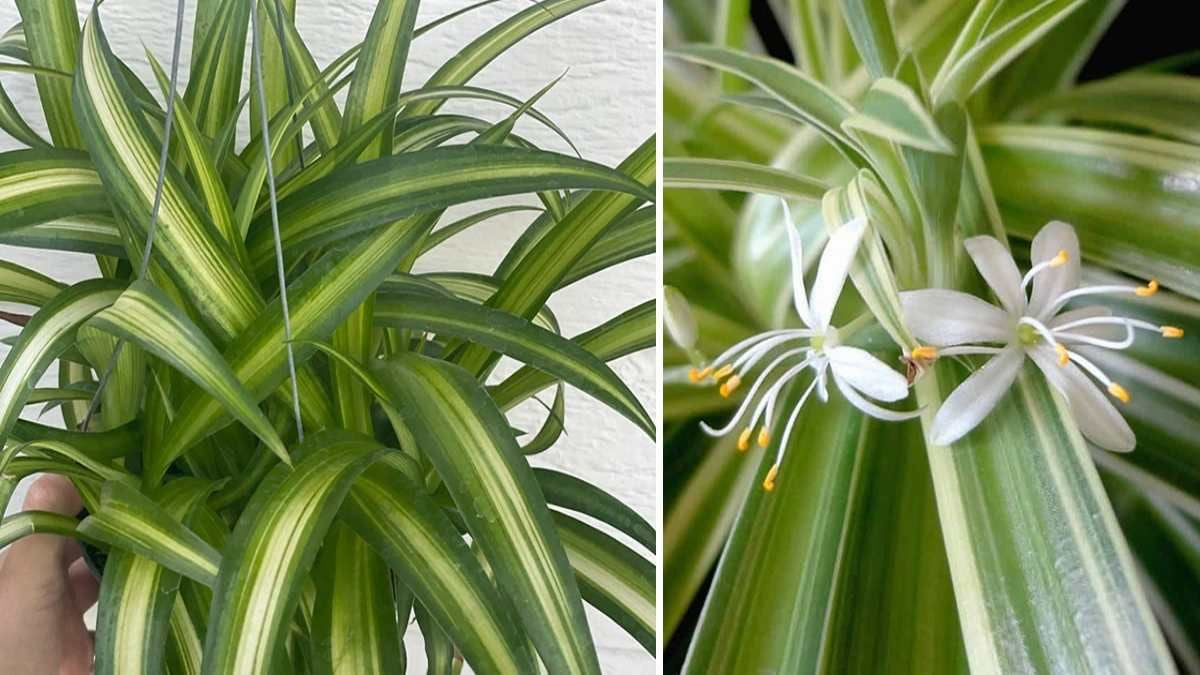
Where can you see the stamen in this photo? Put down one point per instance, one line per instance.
(769, 481)
(1095, 372)
(1150, 288)
(1118, 391)
(728, 386)
(723, 371)
(743, 442)
(925, 353)
(1057, 261)
(1171, 332)
(696, 375)
(1064, 357)
(967, 350)
(767, 399)
(764, 437)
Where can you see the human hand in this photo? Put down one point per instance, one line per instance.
(45, 587)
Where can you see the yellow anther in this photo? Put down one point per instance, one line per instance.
(764, 437)
(1171, 332)
(696, 375)
(728, 386)
(723, 371)
(925, 353)
(1060, 259)
(1064, 357)
(1119, 392)
(1149, 289)
(744, 440)
(769, 481)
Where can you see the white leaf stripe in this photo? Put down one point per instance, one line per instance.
(496, 493)
(129, 520)
(611, 577)
(518, 338)
(427, 552)
(120, 144)
(273, 547)
(146, 316)
(37, 186)
(48, 333)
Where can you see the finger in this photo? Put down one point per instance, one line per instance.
(53, 493)
(47, 552)
(84, 587)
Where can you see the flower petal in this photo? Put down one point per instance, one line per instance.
(1097, 418)
(1055, 236)
(944, 318)
(967, 405)
(833, 268)
(869, 408)
(867, 373)
(997, 267)
(799, 296)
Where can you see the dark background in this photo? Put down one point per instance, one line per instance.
(1144, 31)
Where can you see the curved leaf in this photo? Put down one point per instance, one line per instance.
(144, 315)
(384, 190)
(469, 443)
(518, 338)
(48, 333)
(723, 174)
(427, 552)
(274, 545)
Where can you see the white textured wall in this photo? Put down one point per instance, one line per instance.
(605, 104)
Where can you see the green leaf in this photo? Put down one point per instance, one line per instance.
(1106, 184)
(1160, 103)
(809, 100)
(144, 315)
(319, 299)
(380, 69)
(131, 521)
(214, 84)
(871, 30)
(611, 577)
(138, 595)
(37, 186)
(633, 236)
(50, 331)
(51, 30)
(119, 140)
(569, 492)
(518, 338)
(722, 174)
(14, 123)
(273, 546)
(769, 599)
(25, 523)
(537, 271)
(439, 651)
(1042, 576)
(998, 48)
(26, 286)
(419, 543)
(354, 624)
(373, 193)
(472, 58)
(470, 445)
(893, 111)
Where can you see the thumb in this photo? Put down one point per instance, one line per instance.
(35, 589)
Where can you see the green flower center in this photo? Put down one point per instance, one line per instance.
(1027, 335)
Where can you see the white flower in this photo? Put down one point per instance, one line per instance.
(789, 353)
(955, 323)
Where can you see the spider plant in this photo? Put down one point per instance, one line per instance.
(947, 128)
(287, 442)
